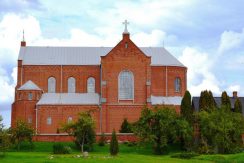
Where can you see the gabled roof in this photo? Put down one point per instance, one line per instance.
(195, 102)
(29, 85)
(69, 99)
(33, 55)
(162, 100)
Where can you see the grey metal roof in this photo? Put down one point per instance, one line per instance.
(195, 102)
(33, 55)
(69, 99)
(29, 85)
(160, 100)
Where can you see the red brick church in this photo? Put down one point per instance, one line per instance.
(54, 84)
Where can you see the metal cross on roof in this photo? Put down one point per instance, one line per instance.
(126, 23)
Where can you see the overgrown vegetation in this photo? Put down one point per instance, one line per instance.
(162, 126)
(22, 133)
(221, 131)
(220, 128)
(4, 139)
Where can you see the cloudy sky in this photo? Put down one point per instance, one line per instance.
(205, 35)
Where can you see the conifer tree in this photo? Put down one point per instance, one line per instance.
(206, 101)
(186, 108)
(238, 106)
(125, 127)
(114, 145)
(225, 100)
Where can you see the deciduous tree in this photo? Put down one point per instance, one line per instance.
(22, 132)
(82, 130)
(160, 126)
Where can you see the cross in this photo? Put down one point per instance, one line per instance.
(126, 23)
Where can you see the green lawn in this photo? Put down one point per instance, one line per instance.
(43, 153)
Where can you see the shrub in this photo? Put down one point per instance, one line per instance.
(114, 145)
(131, 144)
(185, 155)
(102, 140)
(24, 145)
(59, 148)
(125, 127)
(22, 132)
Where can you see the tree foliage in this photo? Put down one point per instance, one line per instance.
(114, 145)
(4, 138)
(82, 130)
(125, 127)
(225, 100)
(238, 106)
(22, 132)
(162, 126)
(186, 107)
(221, 130)
(206, 101)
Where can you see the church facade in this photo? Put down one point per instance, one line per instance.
(54, 84)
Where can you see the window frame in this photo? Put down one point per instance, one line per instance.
(30, 96)
(71, 85)
(49, 120)
(177, 84)
(51, 84)
(94, 85)
(119, 83)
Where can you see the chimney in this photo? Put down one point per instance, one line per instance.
(235, 94)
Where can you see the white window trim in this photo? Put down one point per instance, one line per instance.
(88, 86)
(133, 90)
(71, 85)
(178, 84)
(51, 85)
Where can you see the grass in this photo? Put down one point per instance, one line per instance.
(43, 153)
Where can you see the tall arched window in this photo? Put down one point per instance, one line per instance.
(51, 85)
(177, 84)
(90, 85)
(71, 85)
(126, 85)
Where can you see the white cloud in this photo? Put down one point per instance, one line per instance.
(230, 40)
(199, 72)
(232, 88)
(155, 38)
(6, 87)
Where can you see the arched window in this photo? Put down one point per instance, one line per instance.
(70, 119)
(30, 96)
(90, 85)
(51, 85)
(49, 121)
(71, 85)
(126, 85)
(177, 84)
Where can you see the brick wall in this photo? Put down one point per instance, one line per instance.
(124, 56)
